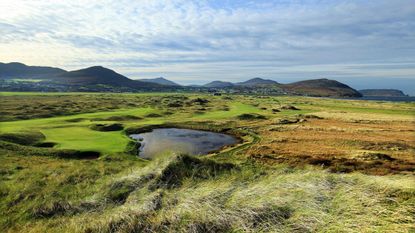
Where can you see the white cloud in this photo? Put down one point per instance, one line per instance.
(207, 40)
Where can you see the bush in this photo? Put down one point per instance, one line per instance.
(26, 138)
(185, 166)
(107, 127)
(289, 107)
(251, 116)
(133, 147)
(123, 118)
(153, 115)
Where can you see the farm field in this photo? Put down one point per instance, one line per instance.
(302, 164)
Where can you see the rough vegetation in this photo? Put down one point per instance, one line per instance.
(331, 166)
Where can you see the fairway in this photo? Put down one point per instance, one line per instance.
(83, 138)
(77, 135)
(235, 110)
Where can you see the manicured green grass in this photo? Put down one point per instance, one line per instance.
(63, 121)
(77, 135)
(236, 109)
(83, 138)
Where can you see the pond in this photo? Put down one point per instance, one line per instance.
(185, 141)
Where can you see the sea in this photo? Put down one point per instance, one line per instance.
(388, 98)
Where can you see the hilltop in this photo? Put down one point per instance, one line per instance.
(316, 87)
(20, 70)
(160, 80)
(382, 92)
(219, 84)
(322, 87)
(257, 81)
(98, 75)
(94, 75)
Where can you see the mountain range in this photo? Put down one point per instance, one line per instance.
(97, 77)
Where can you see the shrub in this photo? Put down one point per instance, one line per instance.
(289, 107)
(107, 127)
(24, 138)
(251, 116)
(153, 115)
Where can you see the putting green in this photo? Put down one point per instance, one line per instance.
(83, 138)
(235, 110)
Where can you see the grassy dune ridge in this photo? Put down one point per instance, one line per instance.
(329, 166)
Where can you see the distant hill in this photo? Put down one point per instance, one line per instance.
(322, 87)
(160, 80)
(19, 70)
(98, 78)
(218, 84)
(256, 82)
(316, 87)
(98, 75)
(382, 92)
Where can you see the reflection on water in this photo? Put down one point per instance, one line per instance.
(187, 141)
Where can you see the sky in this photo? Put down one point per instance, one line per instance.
(363, 43)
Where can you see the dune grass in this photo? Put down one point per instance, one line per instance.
(247, 198)
(291, 173)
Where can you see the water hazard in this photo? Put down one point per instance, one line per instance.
(185, 141)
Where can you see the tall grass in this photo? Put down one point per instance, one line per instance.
(52, 190)
(212, 197)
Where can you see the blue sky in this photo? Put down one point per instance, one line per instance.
(357, 42)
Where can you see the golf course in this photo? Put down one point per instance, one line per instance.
(300, 164)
